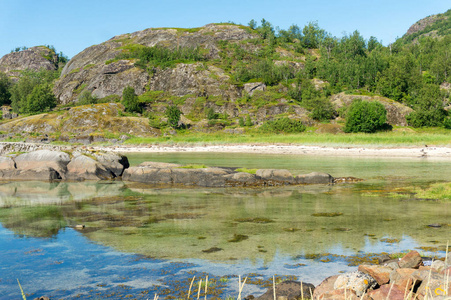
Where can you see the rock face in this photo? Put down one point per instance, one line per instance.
(93, 70)
(51, 165)
(35, 59)
(396, 112)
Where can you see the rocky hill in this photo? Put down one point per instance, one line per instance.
(98, 70)
(435, 25)
(34, 58)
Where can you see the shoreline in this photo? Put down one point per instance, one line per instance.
(424, 152)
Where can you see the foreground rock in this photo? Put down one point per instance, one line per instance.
(170, 174)
(406, 278)
(50, 165)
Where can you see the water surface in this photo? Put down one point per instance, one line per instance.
(141, 240)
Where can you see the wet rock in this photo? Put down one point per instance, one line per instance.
(387, 291)
(39, 173)
(289, 290)
(357, 281)
(275, 175)
(314, 178)
(380, 273)
(148, 175)
(411, 260)
(325, 286)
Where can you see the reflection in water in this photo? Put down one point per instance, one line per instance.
(219, 231)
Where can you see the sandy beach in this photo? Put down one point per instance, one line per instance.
(407, 152)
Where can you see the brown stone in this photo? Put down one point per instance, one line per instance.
(411, 260)
(340, 294)
(403, 278)
(325, 286)
(380, 273)
(387, 291)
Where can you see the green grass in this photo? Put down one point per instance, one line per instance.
(432, 137)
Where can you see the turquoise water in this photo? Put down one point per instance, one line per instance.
(139, 241)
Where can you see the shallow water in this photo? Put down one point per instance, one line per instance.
(139, 240)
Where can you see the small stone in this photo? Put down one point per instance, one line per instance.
(289, 290)
(411, 260)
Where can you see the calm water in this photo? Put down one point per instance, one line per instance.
(139, 241)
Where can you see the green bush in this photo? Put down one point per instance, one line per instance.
(40, 99)
(323, 110)
(173, 114)
(283, 125)
(241, 122)
(364, 116)
(5, 85)
(429, 118)
(447, 123)
(130, 100)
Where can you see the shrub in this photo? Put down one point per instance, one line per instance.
(241, 122)
(283, 125)
(40, 99)
(322, 110)
(130, 100)
(366, 117)
(447, 123)
(422, 118)
(248, 121)
(173, 114)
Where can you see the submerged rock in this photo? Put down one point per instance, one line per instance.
(289, 290)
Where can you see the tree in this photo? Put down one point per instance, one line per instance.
(173, 114)
(40, 99)
(364, 116)
(130, 100)
(5, 85)
(428, 108)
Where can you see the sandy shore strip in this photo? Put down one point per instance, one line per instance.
(407, 152)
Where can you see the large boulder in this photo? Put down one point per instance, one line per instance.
(359, 282)
(56, 160)
(85, 168)
(148, 175)
(34, 58)
(114, 162)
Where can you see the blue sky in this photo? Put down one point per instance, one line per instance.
(73, 25)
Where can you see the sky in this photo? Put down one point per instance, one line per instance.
(73, 25)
